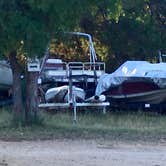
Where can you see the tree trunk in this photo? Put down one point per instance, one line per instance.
(31, 97)
(16, 89)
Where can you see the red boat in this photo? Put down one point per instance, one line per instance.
(143, 92)
(135, 82)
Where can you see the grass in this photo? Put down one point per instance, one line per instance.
(112, 125)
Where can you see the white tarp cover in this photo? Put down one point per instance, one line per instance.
(133, 70)
(61, 94)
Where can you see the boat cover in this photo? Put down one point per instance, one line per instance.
(135, 71)
(6, 76)
(61, 94)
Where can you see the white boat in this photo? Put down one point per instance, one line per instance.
(6, 77)
(83, 74)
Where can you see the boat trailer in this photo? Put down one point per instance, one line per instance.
(74, 106)
(89, 71)
(71, 103)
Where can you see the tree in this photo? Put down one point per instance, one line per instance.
(26, 27)
(127, 29)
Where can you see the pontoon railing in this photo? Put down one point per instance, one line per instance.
(78, 68)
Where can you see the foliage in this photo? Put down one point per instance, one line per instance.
(128, 29)
(122, 30)
(33, 23)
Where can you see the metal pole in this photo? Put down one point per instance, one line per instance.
(72, 100)
(104, 110)
(93, 56)
(75, 110)
(70, 87)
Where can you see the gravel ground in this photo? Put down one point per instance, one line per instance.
(81, 153)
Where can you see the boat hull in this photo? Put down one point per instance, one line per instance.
(150, 97)
(6, 78)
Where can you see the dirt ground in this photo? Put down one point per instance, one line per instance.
(81, 153)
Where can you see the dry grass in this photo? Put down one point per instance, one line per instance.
(112, 125)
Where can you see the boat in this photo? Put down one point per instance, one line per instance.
(135, 82)
(66, 84)
(6, 78)
(56, 74)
